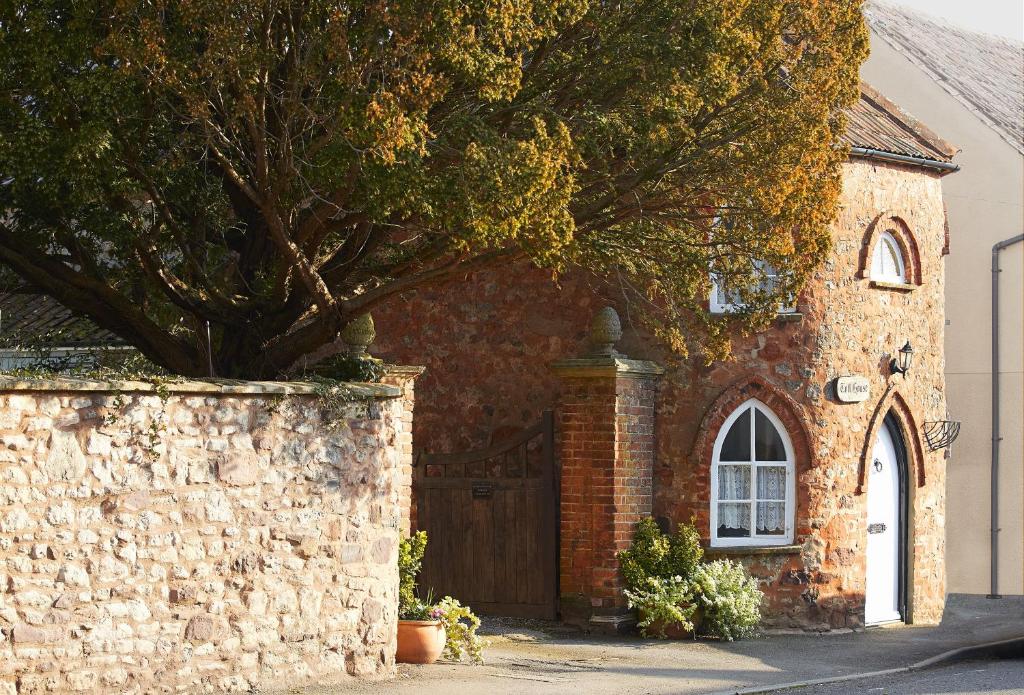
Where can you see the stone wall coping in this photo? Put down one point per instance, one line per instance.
(606, 366)
(753, 550)
(404, 370)
(358, 390)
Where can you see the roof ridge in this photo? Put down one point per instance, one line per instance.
(944, 23)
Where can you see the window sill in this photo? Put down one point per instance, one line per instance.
(781, 317)
(753, 550)
(898, 286)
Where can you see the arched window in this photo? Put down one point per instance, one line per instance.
(887, 262)
(752, 490)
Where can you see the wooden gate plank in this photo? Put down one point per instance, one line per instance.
(497, 551)
(494, 548)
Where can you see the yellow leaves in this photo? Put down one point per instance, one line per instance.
(518, 193)
(392, 129)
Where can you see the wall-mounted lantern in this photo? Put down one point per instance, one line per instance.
(904, 358)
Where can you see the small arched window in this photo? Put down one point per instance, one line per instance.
(752, 490)
(887, 263)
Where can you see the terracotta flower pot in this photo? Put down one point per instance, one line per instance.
(419, 641)
(675, 630)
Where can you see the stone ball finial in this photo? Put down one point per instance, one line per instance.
(358, 334)
(605, 331)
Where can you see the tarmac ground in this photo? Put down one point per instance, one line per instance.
(530, 658)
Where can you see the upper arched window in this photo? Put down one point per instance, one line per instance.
(887, 264)
(752, 491)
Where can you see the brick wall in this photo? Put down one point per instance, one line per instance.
(219, 537)
(606, 449)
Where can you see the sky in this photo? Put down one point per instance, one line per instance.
(1002, 17)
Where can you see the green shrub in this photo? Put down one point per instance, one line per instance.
(460, 626)
(729, 598)
(410, 560)
(662, 602)
(654, 554)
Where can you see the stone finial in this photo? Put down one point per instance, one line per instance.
(358, 334)
(605, 331)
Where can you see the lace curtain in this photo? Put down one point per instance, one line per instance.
(771, 485)
(734, 484)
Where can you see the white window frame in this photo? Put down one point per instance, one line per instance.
(729, 307)
(888, 239)
(754, 539)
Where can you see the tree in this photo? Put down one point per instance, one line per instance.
(278, 167)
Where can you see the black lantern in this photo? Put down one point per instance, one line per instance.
(901, 365)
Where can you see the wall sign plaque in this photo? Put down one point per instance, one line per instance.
(852, 389)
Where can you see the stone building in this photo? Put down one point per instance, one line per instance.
(970, 87)
(804, 456)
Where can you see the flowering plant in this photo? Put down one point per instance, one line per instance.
(418, 610)
(729, 598)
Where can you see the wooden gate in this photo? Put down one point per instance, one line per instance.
(491, 523)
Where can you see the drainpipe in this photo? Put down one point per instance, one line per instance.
(994, 482)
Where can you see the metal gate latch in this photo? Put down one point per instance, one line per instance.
(876, 528)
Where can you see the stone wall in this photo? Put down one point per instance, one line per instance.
(488, 344)
(206, 536)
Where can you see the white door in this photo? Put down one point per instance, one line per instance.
(882, 591)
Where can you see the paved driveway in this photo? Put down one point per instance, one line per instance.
(524, 660)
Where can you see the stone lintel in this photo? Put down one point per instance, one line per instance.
(357, 390)
(594, 367)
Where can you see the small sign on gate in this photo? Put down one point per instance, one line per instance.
(482, 491)
(852, 389)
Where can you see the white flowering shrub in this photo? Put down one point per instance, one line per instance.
(729, 598)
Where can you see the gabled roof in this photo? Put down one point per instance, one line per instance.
(876, 123)
(985, 73)
(28, 319)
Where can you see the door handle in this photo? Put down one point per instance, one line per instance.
(876, 528)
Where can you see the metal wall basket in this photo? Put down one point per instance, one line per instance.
(941, 433)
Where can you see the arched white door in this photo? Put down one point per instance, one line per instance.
(882, 591)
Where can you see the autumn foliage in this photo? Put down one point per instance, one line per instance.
(277, 167)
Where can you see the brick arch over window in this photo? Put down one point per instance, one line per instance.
(900, 231)
(894, 402)
(789, 412)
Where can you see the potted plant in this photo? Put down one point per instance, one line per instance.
(666, 607)
(426, 629)
(657, 569)
(421, 634)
